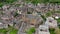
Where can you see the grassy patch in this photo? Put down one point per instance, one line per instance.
(4, 31)
(57, 11)
(13, 31)
(54, 1)
(52, 31)
(6, 1)
(1, 4)
(58, 20)
(43, 1)
(30, 31)
(48, 14)
(35, 2)
(10, 1)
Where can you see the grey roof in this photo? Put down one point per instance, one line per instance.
(32, 16)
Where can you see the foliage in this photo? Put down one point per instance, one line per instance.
(48, 14)
(35, 2)
(43, 1)
(4, 31)
(9, 1)
(13, 31)
(54, 1)
(29, 12)
(43, 17)
(2, 0)
(10, 29)
(1, 4)
(31, 30)
(58, 20)
(52, 31)
(57, 11)
(16, 14)
(6, 1)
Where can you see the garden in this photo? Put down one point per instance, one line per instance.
(9, 30)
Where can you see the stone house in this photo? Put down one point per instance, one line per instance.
(56, 14)
(41, 8)
(17, 25)
(3, 25)
(32, 19)
(5, 7)
(43, 29)
(57, 8)
(7, 20)
(51, 23)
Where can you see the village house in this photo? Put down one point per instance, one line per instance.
(43, 29)
(32, 19)
(22, 10)
(12, 9)
(41, 8)
(57, 7)
(30, 5)
(51, 7)
(51, 23)
(56, 14)
(3, 25)
(7, 20)
(5, 7)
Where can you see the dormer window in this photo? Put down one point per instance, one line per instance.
(41, 30)
(50, 21)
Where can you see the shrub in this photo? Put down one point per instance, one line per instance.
(4, 31)
(52, 31)
(48, 14)
(58, 20)
(1, 4)
(15, 14)
(9, 1)
(35, 2)
(31, 30)
(13, 31)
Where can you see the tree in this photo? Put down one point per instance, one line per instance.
(2, 0)
(1, 4)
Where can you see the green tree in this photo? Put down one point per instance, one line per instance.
(44, 1)
(37, 1)
(1, 4)
(9, 1)
(2, 0)
(31, 30)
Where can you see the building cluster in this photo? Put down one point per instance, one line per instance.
(44, 28)
(27, 16)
